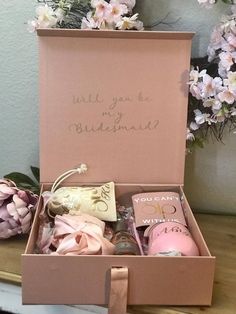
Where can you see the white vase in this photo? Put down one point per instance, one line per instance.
(210, 176)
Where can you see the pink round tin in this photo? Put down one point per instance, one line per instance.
(170, 237)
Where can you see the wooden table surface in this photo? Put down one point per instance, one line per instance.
(220, 234)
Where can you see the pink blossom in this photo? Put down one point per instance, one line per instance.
(226, 59)
(7, 189)
(195, 91)
(222, 70)
(16, 209)
(116, 12)
(231, 81)
(228, 23)
(102, 8)
(217, 95)
(227, 96)
(210, 86)
(231, 39)
(195, 75)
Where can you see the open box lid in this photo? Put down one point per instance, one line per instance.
(115, 100)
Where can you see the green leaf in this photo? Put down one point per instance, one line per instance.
(20, 178)
(199, 142)
(35, 171)
(24, 182)
(227, 1)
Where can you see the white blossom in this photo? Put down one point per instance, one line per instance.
(130, 23)
(89, 22)
(46, 16)
(201, 117)
(227, 96)
(194, 126)
(190, 136)
(32, 26)
(207, 3)
(231, 81)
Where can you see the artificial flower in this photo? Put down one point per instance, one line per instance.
(220, 115)
(89, 22)
(193, 126)
(212, 103)
(93, 14)
(231, 81)
(201, 117)
(129, 3)
(102, 8)
(207, 3)
(60, 14)
(32, 26)
(214, 97)
(130, 23)
(190, 136)
(210, 85)
(195, 75)
(46, 17)
(16, 209)
(227, 96)
(117, 10)
(227, 59)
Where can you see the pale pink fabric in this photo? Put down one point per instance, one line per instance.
(45, 236)
(80, 235)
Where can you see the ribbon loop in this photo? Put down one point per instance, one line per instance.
(118, 291)
(80, 170)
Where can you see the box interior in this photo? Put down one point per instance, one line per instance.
(184, 280)
(123, 196)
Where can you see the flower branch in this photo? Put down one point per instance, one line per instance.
(86, 14)
(212, 104)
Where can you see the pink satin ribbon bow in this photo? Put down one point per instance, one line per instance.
(80, 235)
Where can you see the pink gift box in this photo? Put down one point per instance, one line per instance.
(117, 101)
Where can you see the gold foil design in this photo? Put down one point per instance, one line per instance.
(95, 201)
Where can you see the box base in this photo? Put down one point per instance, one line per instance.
(181, 280)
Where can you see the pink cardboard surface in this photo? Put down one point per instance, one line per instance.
(116, 101)
(186, 280)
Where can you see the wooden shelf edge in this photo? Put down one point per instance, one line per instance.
(10, 277)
